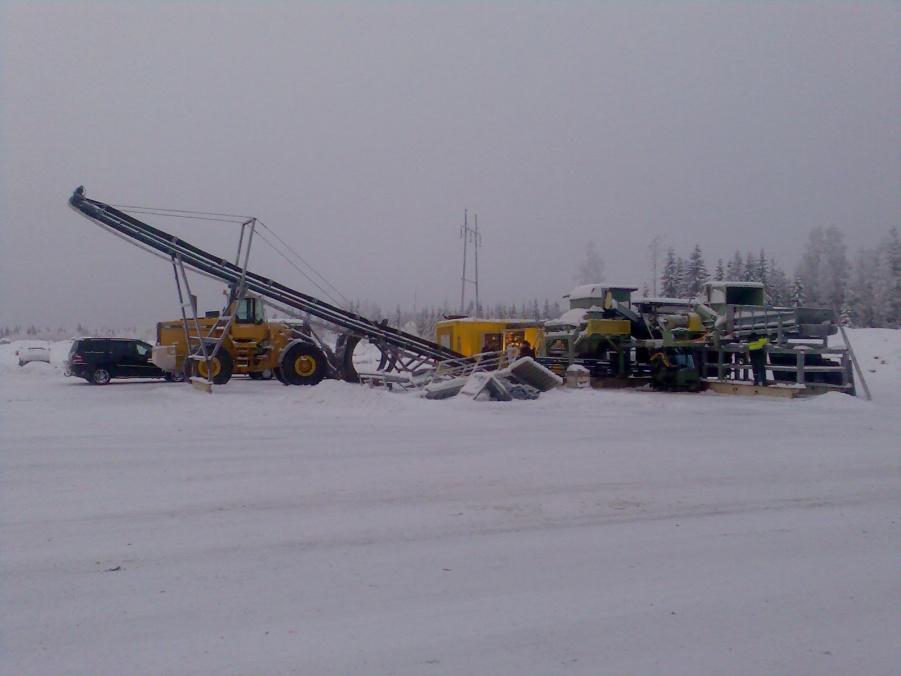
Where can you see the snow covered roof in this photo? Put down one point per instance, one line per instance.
(573, 317)
(596, 290)
(512, 322)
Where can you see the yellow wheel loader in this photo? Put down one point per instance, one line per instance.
(251, 345)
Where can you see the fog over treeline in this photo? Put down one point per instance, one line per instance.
(361, 131)
(863, 288)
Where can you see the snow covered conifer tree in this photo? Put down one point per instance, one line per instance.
(798, 296)
(696, 272)
(762, 272)
(734, 268)
(887, 283)
(859, 299)
(811, 266)
(719, 274)
(591, 269)
(778, 285)
(668, 281)
(749, 270)
(885, 290)
(834, 266)
(681, 269)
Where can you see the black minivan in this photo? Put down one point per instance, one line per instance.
(98, 360)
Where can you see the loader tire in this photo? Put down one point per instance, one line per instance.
(303, 364)
(221, 367)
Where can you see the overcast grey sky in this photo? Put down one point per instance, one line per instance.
(360, 131)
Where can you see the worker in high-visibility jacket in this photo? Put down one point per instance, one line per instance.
(757, 352)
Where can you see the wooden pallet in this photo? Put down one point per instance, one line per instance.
(746, 389)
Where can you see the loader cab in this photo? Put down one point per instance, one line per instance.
(250, 327)
(250, 311)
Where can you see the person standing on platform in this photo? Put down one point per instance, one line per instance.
(757, 353)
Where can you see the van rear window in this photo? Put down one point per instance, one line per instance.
(89, 346)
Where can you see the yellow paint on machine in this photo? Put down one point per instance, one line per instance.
(608, 327)
(472, 336)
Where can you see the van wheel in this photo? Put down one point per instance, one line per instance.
(303, 364)
(100, 377)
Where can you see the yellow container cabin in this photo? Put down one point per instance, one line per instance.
(471, 336)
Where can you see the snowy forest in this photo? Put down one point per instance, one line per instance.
(866, 289)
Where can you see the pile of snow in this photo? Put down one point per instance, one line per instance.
(878, 352)
(150, 528)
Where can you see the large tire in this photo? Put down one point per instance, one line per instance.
(221, 365)
(303, 364)
(100, 376)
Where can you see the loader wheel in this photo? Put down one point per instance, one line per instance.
(220, 365)
(100, 377)
(303, 365)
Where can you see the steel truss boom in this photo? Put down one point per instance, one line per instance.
(169, 246)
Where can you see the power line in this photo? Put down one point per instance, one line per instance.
(239, 219)
(304, 261)
(162, 212)
(181, 211)
(299, 269)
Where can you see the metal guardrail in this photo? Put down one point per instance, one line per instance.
(800, 368)
(462, 367)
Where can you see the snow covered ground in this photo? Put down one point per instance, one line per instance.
(146, 528)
